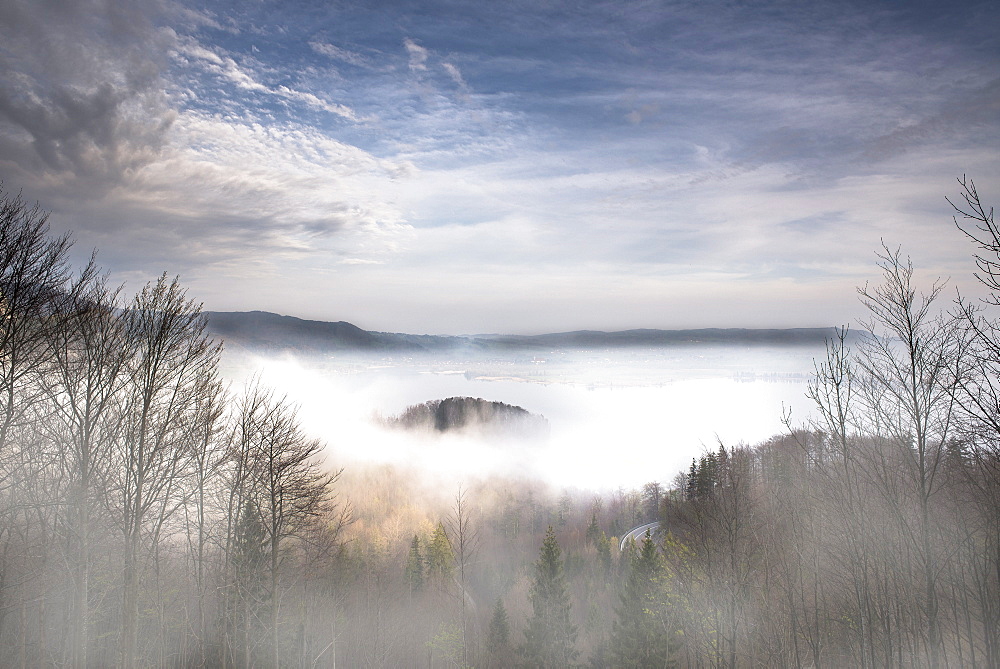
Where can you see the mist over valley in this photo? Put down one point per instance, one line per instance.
(652, 407)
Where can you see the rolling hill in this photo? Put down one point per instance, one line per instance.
(263, 331)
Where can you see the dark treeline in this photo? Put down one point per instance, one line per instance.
(468, 413)
(151, 516)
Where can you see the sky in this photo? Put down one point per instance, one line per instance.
(450, 167)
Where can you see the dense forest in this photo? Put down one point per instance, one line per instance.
(152, 515)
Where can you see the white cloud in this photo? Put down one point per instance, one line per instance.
(193, 49)
(230, 198)
(315, 102)
(198, 18)
(343, 55)
(455, 74)
(418, 55)
(227, 68)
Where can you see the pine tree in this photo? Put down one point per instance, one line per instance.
(593, 530)
(245, 609)
(641, 635)
(498, 637)
(708, 474)
(550, 635)
(249, 551)
(604, 553)
(722, 476)
(440, 556)
(691, 491)
(415, 567)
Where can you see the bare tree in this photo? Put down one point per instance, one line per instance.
(34, 276)
(91, 349)
(841, 485)
(465, 544)
(978, 395)
(652, 495)
(173, 355)
(981, 230)
(283, 483)
(242, 535)
(907, 364)
(34, 271)
(207, 456)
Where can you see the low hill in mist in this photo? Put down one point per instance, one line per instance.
(456, 414)
(646, 337)
(262, 331)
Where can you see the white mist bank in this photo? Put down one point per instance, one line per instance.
(619, 418)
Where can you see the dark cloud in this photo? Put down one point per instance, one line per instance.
(81, 95)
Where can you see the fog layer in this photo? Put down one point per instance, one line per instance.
(615, 415)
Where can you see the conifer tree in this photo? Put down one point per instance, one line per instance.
(249, 562)
(722, 475)
(415, 567)
(604, 552)
(691, 491)
(550, 636)
(705, 476)
(641, 635)
(593, 530)
(440, 557)
(498, 637)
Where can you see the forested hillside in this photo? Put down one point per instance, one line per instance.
(457, 414)
(152, 516)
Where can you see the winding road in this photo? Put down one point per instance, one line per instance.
(636, 533)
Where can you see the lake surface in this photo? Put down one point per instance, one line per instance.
(619, 417)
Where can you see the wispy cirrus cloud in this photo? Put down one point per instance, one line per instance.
(418, 55)
(341, 54)
(455, 74)
(227, 68)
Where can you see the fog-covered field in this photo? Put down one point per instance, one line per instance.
(618, 417)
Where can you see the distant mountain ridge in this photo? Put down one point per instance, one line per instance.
(263, 331)
(269, 332)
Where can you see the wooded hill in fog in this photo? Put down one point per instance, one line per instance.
(455, 414)
(262, 331)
